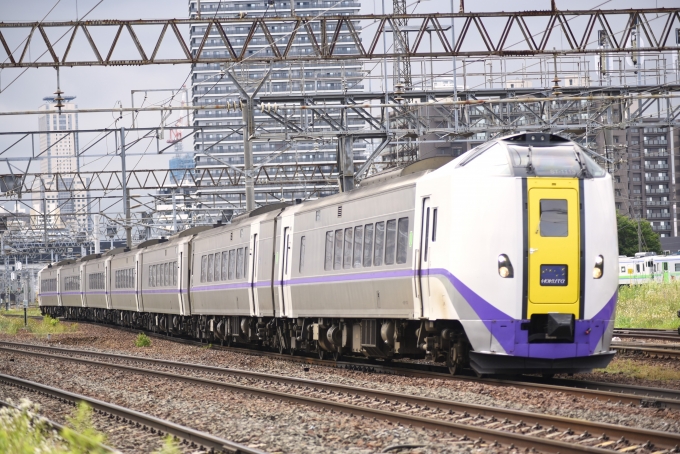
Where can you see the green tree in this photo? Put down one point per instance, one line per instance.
(628, 236)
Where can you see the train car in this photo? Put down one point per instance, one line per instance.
(94, 285)
(666, 268)
(489, 261)
(636, 270)
(70, 278)
(48, 281)
(124, 277)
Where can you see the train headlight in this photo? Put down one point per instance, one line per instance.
(505, 267)
(598, 269)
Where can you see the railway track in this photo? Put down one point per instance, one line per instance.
(650, 351)
(188, 436)
(627, 394)
(656, 334)
(491, 425)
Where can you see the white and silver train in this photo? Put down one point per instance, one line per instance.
(503, 260)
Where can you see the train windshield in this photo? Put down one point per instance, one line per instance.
(560, 161)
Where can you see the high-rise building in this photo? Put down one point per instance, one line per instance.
(653, 155)
(67, 207)
(221, 142)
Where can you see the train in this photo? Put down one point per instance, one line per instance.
(648, 267)
(501, 261)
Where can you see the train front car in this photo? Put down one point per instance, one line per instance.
(528, 262)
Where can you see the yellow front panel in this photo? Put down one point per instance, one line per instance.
(554, 245)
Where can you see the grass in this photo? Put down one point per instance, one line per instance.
(641, 370)
(142, 340)
(651, 305)
(22, 431)
(32, 311)
(48, 325)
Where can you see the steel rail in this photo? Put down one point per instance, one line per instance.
(654, 352)
(643, 344)
(127, 415)
(58, 427)
(648, 334)
(488, 434)
(562, 423)
(629, 394)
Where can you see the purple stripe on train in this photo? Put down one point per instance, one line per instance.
(167, 291)
(515, 341)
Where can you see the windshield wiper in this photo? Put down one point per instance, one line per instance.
(584, 170)
(530, 165)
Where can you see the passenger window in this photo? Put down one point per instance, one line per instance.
(554, 218)
(358, 244)
(328, 260)
(225, 256)
(166, 274)
(665, 266)
(159, 279)
(368, 244)
(204, 266)
(677, 267)
(347, 263)
(217, 267)
(232, 264)
(402, 240)
(302, 255)
(390, 241)
(623, 269)
(239, 263)
(637, 267)
(210, 268)
(434, 225)
(337, 261)
(379, 243)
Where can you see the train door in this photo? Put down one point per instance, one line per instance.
(107, 285)
(285, 269)
(59, 300)
(83, 298)
(183, 296)
(554, 246)
(254, 303)
(137, 281)
(666, 274)
(423, 258)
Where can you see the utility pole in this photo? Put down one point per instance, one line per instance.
(248, 132)
(126, 194)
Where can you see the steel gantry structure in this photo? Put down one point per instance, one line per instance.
(592, 99)
(477, 36)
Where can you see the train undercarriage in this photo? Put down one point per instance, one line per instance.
(386, 339)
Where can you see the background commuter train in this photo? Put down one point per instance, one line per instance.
(490, 261)
(644, 269)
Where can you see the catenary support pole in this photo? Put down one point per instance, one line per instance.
(126, 195)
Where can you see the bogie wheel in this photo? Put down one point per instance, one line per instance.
(454, 360)
(336, 355)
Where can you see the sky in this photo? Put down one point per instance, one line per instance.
(101, 87)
